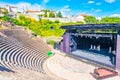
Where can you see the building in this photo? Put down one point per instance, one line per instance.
(12, 11)
(11, 8)
(34, 14)
(80, 17)
(39, 14)
(99, 43)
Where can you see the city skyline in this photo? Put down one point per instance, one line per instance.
(97, 8)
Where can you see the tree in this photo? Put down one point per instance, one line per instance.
(5, 11)
(90, 20)
(51, 14)
(45, 15)
(57, 21)
(22, 17)
(110, 20)
(24, 21)
(0, 10)
(40, 16)
(46, 11)
(59, 14)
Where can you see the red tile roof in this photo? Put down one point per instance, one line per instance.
(84, 15)
(32, 11)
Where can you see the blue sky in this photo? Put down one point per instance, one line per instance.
(98, 8)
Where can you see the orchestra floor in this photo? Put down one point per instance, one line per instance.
(95, 57)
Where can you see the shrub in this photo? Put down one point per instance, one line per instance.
(57, 21)
(51, 42)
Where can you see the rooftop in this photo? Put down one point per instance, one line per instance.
(93, 26)
(84, 15)
(32, 11)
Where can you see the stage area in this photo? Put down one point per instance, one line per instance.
(96, 42)
(95, 57)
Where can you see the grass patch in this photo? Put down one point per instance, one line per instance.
(51, 42)
(52, 39)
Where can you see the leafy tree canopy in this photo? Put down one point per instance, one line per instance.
(4, 11)
(51, 14)
(90, 20)
(110, 20)
(59, 14)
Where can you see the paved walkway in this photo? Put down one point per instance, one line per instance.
(70, 69)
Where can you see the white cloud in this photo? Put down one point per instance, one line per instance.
(98, 3)
(68, 0)
(95, 10)
(98, 10)
(64, 10)
(29, 6)
(44, 2)
(24, 5)
(91, 2)
(110, 1)
(92, 9)
(115, 15)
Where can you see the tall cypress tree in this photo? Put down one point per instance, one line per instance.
(59, 14)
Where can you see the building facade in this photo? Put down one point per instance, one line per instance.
(12, 11)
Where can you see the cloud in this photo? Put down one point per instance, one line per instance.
(44, 2)
(92, 9)
(23, 6)
(115, 15)
(91, 2)
(68, 0)
(64, 10)
(29, 6)
(98, 10)
(98, 3)
(109, 1)
(95, 10)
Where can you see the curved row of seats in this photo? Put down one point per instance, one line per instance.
(18, 50)
(14, 51)
(14, 48)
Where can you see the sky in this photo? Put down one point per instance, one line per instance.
(97, 8)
